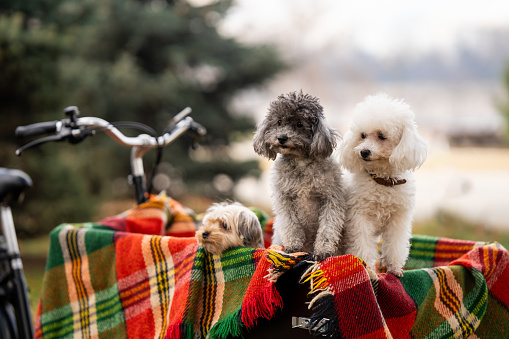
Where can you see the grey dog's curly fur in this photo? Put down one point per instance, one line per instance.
(307, 190)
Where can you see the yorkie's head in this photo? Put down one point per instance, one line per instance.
(227, 225)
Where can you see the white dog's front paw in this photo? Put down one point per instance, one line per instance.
(397, 271)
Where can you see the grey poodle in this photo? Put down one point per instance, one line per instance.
(307, 191)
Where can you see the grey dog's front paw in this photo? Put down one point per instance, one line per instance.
(290, 249)
(322, 256)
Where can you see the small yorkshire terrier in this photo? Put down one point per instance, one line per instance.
(227, 225)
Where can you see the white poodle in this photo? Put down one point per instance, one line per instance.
(381, 149)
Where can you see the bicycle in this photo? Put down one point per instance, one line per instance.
(75, 129)
(15, 316)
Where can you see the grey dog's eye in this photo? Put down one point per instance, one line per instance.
(279, 122)
(381, 136)
(299, 124)
(363, 135)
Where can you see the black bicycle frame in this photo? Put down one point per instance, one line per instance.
(19, 296)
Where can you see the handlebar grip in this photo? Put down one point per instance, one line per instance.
(36, 129)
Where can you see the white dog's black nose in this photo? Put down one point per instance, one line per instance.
(365, 153)
(205, 234)
(282, 139)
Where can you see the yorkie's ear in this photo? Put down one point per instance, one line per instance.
(260, 144)
(324, 140)
(250, 230)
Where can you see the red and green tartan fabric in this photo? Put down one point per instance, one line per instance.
(101, 283)
(104, 282)
(160, 215)
(451, 289)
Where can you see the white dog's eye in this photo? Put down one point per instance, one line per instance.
(223, 224)
(299, 124)
(381, 136)
(279, 122)
(363, 135)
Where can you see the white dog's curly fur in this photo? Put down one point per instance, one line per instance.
(229, 224)
(381, 149)
(307, 191)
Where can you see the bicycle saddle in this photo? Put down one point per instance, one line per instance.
(12, 183)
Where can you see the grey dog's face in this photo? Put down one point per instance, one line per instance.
(290, 134)
(295, 126)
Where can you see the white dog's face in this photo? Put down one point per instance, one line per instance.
(382, 137)
(376, 146)
(229, 225)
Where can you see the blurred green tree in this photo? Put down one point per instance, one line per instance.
(121, 60)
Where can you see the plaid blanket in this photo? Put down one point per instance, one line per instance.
(101, 283)
(160, 215)
(451, 289)
(104, 282)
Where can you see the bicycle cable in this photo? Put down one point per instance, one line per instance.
(136, 125)
(150, 131)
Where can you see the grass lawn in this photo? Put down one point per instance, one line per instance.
(33, 254)
(451, 226)
(34, 275)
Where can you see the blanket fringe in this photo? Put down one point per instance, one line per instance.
(322, 304)
(179, 331)
(229, 326)
(324, 308)
(265, 305)
(318, 283)
(281, 262)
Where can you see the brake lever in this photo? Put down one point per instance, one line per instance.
(180, 116)
(197, 132)
(40, 141)
(73, 135)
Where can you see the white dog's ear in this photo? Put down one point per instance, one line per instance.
(348, 159)
(260, 145)
(250, 230)
(324, 140)
(411, 152)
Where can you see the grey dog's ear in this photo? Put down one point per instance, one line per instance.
(324, 140)
(260, 144)
(348, 158)
(250, 230)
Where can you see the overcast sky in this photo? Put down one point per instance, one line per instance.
(378, 27)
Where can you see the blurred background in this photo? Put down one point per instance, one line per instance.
(145, 60)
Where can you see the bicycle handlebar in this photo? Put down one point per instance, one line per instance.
(76, 129)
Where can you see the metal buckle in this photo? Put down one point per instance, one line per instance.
(304, 323)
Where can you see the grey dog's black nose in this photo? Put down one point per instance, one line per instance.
(365, 153)
(282, 139)
(205, 234)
